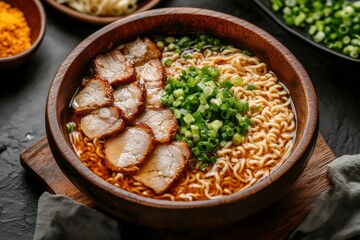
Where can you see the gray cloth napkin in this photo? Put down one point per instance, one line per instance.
(60, 217)
(336, 214)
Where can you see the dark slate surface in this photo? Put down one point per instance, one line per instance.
(23, 96)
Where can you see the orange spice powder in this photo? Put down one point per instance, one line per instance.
(14, 31)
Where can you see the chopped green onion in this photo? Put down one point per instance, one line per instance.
(205, 146)
(256, 108)
(215, 125)
(246, 52)
(171, 46)
(237, 138)
(333, 23)
(290, 3)
(299, 19)
(167, 62)
(160, 44)
(228, 85)
(343, 29)
(187, 56)
(346, 39)
(312, 29)
(229, 132)
(178, 51)
(208, 90)
(178, 93)
(213, 72)
(236, 81)
(177, 113)
(207, 111)
(319, 36)
(186, 44)
(248, 121)
(189, 118)
(251, 86)
(194, 129)
(216, 101)
(170, 39)
(184, 41)
(70, 127)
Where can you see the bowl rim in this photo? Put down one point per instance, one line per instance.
(93, 18)
(38, 40)
(54, 127)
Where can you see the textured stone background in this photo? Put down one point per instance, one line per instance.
(23, 96)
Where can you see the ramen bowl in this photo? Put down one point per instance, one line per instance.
(180, 215)
(35, 16)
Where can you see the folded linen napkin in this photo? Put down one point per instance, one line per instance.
(60, 217)
(336, 214)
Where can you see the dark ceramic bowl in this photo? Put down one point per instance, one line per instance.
(36, 19)
(183, 215)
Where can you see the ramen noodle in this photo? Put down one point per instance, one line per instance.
(238, 167)
(102, 7)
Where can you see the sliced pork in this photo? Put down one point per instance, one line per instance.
(127, 151)
(103, 122)
(95, 94)
(162, 122)
(153, 97)
(164, 166)
(140, 51)
(114, 68)
(130, 99)
(151, 73)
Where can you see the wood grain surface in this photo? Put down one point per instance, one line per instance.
(277, 222)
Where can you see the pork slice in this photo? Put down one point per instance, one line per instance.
(130, 99)
(151, 73)
(103, 122)
(114, 68)
(162, 122)
(141, 50)
(95, 94)
(153, 97)
(164, 166)
(127, 151)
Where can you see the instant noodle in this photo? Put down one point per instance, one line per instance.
(239, 164)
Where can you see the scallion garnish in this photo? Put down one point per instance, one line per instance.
(256, 108)
(70, 126)
(207, 111)
(196, 42)
(246, 52)
(167, 62)
(236, 81)
(251, 86)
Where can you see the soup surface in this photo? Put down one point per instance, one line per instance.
(202, 163)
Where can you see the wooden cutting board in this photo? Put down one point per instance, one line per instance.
(277, 222)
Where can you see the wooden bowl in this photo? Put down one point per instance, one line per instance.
(164, 214)
(143, 5)
(36, 19)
